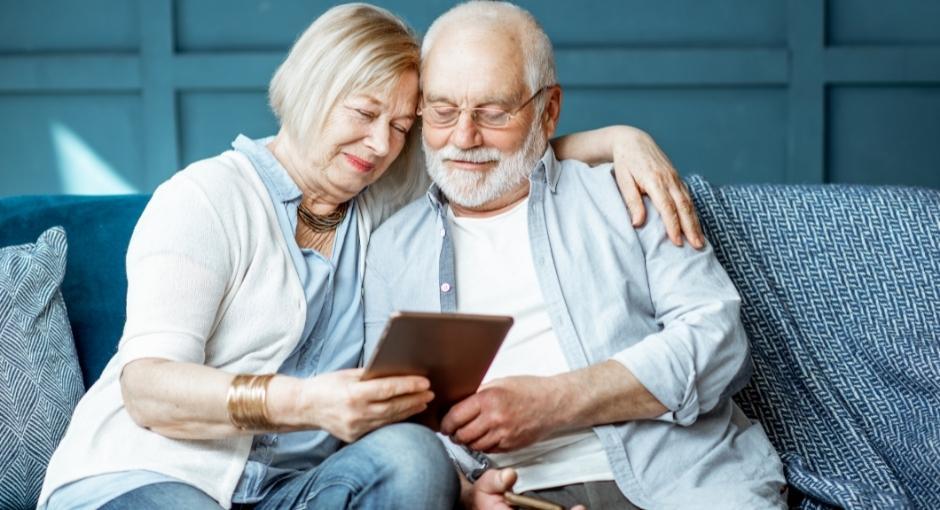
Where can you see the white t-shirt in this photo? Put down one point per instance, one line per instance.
(496, 275)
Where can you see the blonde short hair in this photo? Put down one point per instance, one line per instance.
(351, 48)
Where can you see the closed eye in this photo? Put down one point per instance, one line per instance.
(365, 114)
(444, 110)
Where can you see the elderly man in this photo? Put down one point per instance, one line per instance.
(613, 387)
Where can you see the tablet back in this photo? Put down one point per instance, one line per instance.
(452, 350)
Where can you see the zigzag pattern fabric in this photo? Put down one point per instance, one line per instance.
(841, 303)
(40, 380)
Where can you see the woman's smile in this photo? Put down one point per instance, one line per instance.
(359, 164)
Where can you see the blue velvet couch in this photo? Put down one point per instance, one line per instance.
(841, 292)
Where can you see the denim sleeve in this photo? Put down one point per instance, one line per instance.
(701, 354)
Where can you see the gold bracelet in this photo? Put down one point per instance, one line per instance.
(247, 402)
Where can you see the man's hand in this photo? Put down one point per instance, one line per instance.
(487, 492)
(514, 412)
(641, 168)
(347, 407)
(506, 414)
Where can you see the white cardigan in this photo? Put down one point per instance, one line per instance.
(210, 281)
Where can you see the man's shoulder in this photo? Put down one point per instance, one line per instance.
(574, 169)
(579, 180)
(403, 228)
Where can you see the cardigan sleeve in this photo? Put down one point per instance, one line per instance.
(179, 267)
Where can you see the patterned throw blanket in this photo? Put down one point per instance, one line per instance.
(841, 294)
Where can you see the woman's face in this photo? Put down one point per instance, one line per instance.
(365, 132)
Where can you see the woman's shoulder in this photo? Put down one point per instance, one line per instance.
(230, 171)
(222, 196)
(228, 182)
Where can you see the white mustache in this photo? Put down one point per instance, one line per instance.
(478, 155)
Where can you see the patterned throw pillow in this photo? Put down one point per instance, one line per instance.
(40, 380)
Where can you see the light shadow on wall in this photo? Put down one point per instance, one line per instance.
(81, 170)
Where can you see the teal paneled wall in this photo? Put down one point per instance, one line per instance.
(111, 96)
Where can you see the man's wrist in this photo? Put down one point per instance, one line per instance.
(564, 401)
(577, 393)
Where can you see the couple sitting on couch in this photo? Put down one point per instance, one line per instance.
(612, 390)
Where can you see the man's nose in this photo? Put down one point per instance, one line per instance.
(466, 134)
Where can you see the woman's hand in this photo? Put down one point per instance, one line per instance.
(188, 401)
(348, 408)
(641, 168)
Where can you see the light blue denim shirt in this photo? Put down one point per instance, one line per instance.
(333, 333)
(332, 340)
(669, 314)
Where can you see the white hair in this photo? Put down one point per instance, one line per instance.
(536, 47)
(351, 48)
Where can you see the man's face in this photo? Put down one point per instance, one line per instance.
(472, 164)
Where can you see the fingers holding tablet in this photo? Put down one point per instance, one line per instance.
(453, 351)
(386, 388)
(348, 407)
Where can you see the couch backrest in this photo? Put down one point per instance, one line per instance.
(95, 285)
(841, 298)
(841, 302)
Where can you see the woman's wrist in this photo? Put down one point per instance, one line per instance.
(625, 136)
(284, 404)
(246, 402)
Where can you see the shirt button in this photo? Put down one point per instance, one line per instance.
(445, 287)
(443, 232)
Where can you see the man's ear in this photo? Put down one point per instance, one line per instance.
(552, 110)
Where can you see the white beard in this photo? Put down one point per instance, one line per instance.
(473, 188)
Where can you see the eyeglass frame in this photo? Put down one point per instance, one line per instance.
(510, 114)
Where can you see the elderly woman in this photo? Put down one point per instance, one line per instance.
(235, 381)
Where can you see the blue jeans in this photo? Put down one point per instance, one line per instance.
(397, 466)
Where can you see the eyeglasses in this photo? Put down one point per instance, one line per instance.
(447, 115)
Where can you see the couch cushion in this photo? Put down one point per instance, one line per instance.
(95, 285)
(40, 381)
(840, 302)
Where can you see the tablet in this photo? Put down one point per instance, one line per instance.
(452, 350)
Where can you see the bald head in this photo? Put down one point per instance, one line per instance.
(496, 28)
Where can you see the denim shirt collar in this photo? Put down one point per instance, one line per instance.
(552, 169)
(546, 170)
(282, 187)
